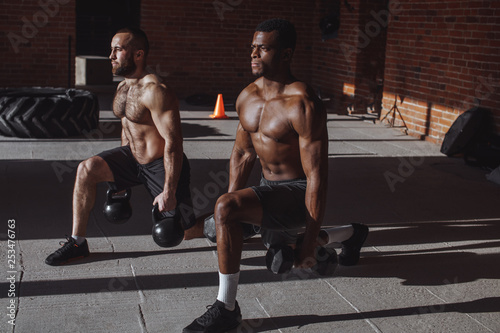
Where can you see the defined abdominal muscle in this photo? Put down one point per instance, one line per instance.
(275, 172)
(147, 148)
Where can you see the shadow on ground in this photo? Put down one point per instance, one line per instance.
(436, 201)
(424, 198)
(484, 305)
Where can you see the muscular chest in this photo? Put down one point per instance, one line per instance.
(267, 120)
(127, 103)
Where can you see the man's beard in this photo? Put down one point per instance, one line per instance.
(126, 69)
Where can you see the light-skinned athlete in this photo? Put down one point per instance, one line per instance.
(151, 151)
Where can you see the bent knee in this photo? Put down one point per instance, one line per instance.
(94, 168)
(225, 208)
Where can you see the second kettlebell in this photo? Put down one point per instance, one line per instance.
(167, 231)
(117, 208)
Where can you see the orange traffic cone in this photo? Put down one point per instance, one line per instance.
(219, 112)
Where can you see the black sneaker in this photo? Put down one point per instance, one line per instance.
(217, 319)
(69, 250)
(351, 248)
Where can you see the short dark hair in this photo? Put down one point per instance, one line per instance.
(139, 39)
(287, 36)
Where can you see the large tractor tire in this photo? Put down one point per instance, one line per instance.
(47, 112)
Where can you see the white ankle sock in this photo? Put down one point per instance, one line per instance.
(78, 239)
(339, 234)
(228, 286)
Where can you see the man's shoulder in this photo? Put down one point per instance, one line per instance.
(153, 84)
(302, 98)
(155, 91)
(152, 80)
(300, 89)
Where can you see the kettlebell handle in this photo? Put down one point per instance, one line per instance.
(110, 193)
(156, 214)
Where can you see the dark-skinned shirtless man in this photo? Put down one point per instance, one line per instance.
(282, 122)
(151, 150)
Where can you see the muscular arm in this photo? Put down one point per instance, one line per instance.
(242, 160)
(310, 124)
(243, 154)
(164, 109)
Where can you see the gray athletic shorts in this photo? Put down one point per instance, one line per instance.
(128, 173)
(284, 208)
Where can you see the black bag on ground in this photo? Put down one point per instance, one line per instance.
(463, 131)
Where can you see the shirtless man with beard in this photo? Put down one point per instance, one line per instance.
(151, 151)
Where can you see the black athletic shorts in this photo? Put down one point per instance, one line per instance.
(128, 173)
(284, 209)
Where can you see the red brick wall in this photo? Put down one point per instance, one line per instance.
(350, 68)
(372, 35)
(440, 56)
(200, 46)
(334, 60)
(34, 43)
(204, 46)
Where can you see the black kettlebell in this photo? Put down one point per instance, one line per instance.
(326, 258)
(117, 208)
(280, 259)
(167, 231)
(211, 233)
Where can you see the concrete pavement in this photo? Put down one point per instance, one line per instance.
(430, 263)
